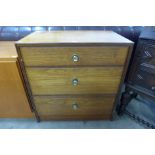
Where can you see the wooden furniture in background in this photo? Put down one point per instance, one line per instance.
(13, 100)
(141, 77)
(74, 74)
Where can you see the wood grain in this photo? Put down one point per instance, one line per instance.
(49, 70)
(92, 80)
(13, 101)
(62, 106)
(74, 37)
(62, 56)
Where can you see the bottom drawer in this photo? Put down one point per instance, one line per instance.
(74, 107)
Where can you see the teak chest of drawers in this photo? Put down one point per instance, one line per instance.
(73, 74)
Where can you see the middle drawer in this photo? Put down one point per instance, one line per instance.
(85, 80)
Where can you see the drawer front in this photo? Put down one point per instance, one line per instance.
(74, 106)
(145, 80)
(147, 54)
(86, 80)
(67, 56)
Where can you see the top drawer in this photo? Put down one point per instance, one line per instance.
(73, 56)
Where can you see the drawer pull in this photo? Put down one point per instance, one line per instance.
(153, 88)
(147, 55)
(75, 106)
(75, 82)
(75, 58)
(139, 76)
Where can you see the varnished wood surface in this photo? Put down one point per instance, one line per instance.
(7, 51)
(62, 106)
(49, 71)
(92, 80)
(13, 101)
(62, 56)
(75, 37)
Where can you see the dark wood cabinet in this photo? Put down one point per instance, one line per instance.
(141, 77)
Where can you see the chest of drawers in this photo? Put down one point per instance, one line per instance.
(143, 74)
(73, 74)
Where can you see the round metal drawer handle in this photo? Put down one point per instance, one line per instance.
(75, 106)
(75, 58)
(153, 88)
(75, 82)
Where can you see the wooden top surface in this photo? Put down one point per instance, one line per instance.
(57, 37)
(7, 50)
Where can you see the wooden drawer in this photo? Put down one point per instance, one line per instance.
(71, 107)
(145, 80)
(85, 80)
(71, 56)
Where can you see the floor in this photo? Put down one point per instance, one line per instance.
(144, 109)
